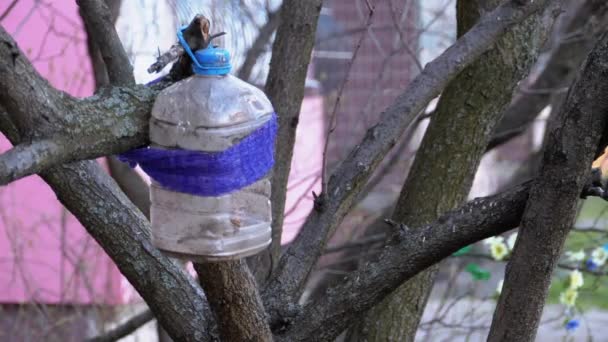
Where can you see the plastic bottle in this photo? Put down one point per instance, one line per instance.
(210, 111)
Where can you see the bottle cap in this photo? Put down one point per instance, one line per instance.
(209, 61)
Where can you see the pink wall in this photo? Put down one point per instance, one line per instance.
(45, 254)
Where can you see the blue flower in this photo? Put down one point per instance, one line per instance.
(606, 247)
(591, 265)
(572, 325)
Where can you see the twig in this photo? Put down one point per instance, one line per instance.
(332, 117)
(259, 44)
(8, 10)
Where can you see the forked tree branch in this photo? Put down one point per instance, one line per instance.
(551, 211)
(350, 177)
(98, 19)
(90, 194)
(407, 253)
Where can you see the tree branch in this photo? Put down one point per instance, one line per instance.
(98, 20)
(408, 252)
(551, 211)
(259, 44)
(232, 293)
(113, 222)
(23, 91)
(291, 53)
(347, 181)
(467, 112)
(124, 234)
(589, 19)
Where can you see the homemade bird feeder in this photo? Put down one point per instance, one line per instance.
(212, 142)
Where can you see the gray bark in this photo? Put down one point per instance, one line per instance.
(551, 210)
(442, 173)
(291, 53)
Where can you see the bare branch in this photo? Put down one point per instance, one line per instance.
(259, 44)
(348, 180)
(232, 293)
(124, 234)
(332, 117)
(285, 87)
(98, 19)
(8, 10)
(23, 92)
(120, 229)
(26, 159)
(550, 214)
(407, 253)
(125, 328)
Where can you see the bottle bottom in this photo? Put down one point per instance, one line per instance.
(214, 258)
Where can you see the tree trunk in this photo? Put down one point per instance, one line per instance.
(445, 164)
(552, 206)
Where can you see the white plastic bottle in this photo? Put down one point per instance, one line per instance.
(212, 112)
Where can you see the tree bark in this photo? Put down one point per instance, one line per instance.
(444, 167)
(586, 22)
(285, 286)
(406, 253)
(291, 54)
(232, 293)
(551, 210)
(259, 44)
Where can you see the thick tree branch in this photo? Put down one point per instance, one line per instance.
(551, 211)
(564, 61)
(291, 53)
(232, 293)
(124, 234)
(347, 181)
(259, 44)
(27, 159)
(23, 91)
(409, 252)
(113, 221)
(112, 121)
(467, 112)
(98, 20)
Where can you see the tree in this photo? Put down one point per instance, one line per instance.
(56, 135)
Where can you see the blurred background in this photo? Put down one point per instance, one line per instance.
(56, 284)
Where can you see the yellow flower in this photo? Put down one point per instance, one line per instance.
(576, 279)
(568, 297)
(499, 250)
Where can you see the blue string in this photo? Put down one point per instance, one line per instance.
(210, 173)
